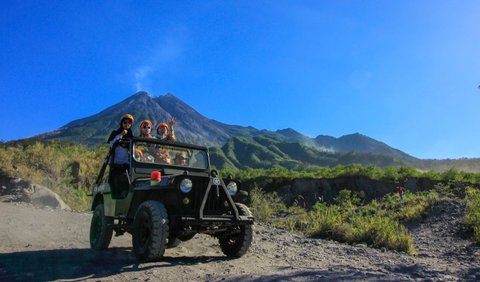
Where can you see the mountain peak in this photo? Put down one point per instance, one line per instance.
(141, 94)
(170, 98)
(289, 132)
(356, 134)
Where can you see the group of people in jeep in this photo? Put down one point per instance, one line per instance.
(164, 130)
(119, 159)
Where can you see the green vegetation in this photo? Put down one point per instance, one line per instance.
(392, 174)
(264, 206)
(67, 169)
(472, 217)
(265, 151)
(378, 223)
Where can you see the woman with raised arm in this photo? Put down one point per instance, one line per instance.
(165, 130)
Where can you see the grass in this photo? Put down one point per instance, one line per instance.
(264, 206)
(378, 223)
(51, 164)
(472, 217)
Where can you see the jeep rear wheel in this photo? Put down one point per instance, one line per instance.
(150, 231)
(236, 244)
(100, 229)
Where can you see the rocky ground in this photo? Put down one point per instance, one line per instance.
(44, 244)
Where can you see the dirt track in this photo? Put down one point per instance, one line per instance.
(46, 244)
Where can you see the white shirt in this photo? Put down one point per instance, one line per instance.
(121, 153)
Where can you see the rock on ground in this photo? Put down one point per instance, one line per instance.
(19, 190)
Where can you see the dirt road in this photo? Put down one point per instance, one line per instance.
(43, 244)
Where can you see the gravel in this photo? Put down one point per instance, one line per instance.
(51, 244)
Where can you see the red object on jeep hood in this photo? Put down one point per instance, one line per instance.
(155, 175)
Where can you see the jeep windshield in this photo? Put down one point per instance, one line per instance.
(169, 154)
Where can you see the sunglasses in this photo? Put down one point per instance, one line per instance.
(127, 122)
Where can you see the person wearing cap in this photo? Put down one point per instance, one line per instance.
(143, 153)
(119, 163)
(145, 129)
(125, 131)
(165, 130)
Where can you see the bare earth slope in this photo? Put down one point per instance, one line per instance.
(51, 244)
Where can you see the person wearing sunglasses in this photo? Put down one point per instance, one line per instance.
(143, 152)
(145, 129)
(165, 130)
(124, 131)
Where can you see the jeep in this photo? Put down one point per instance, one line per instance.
(166, 194)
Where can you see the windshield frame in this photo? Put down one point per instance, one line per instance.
(176, 147)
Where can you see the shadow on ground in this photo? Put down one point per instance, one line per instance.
(78, 264)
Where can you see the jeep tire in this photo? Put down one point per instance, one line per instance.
(237, 244)
(101, 229)
(150, 231)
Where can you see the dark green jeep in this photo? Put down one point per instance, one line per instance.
(165, 195)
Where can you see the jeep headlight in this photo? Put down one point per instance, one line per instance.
(186, 185)
(232, 188)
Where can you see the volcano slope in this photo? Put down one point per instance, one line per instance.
(52, 244)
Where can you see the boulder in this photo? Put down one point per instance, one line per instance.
(19, 190)
(44, 197)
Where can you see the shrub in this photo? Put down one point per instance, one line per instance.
(472, 217)
(381, 231)
(50, 164)
(347, 200)
(264, 206)
(352, 225)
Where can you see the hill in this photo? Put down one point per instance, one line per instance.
(267, 151)
(191, 126)
(362, 143)
(245, 146)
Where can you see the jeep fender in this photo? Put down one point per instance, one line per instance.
(97, 200)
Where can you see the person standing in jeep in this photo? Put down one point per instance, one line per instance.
(125, 131)
(119, 161)
(165, 130)
(146, 129)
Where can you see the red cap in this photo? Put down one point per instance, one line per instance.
(155, 176)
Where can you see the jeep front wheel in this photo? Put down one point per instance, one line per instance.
(100, 229)
(237, 243)
(150, 231)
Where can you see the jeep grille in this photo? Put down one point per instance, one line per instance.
(216, 199)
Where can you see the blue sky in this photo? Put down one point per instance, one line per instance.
(403, 72)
